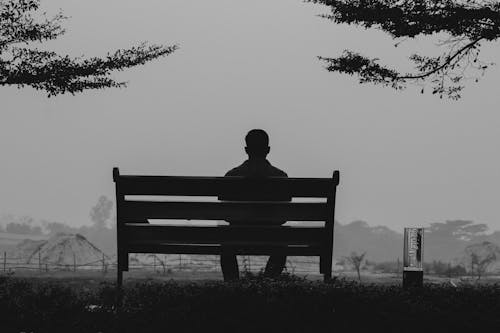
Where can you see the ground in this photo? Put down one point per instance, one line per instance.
(93, 276)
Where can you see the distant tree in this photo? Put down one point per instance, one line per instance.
(444, 240)
(455, 270)
(442, 269)
(23, 229)
(21, 24)
(101, 212)
(18, 228)
(439, 268)
(22, 225)
(386, 267)
(356, 260)
(36, 230)
(459, 229)
(381, 242)
(464, 26)
(7, 218)
(54, 228)
(481, 264)
(28, 220)
(481, 256)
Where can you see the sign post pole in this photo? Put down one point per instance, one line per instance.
(413, 271)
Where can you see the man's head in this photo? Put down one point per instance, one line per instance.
(257, 142)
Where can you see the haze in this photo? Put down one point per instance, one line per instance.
(405, 159)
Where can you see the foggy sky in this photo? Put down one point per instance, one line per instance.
(405, 159)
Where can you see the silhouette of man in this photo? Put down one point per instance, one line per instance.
(257, 148)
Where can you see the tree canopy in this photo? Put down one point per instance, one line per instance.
(356, 260)
(21, 64)
(466, 24)
(464, 230)
(101, 212)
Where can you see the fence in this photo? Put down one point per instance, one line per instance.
(158, 263)
(36, 263)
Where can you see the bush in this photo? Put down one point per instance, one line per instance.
(456, 271)
(387, 267)
(444, 269)
(253, 304)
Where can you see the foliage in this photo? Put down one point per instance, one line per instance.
(20, 225)
(481, 257)
(102, 233)
(455, 271)
(21, 23)
(436, 267)
(356, 260)
(481, 264)
(466, 24)
(458, 229)
(248, 276)
(101, 212)
(249, 305)
(22, 228)
(388, 267)
(444, 269)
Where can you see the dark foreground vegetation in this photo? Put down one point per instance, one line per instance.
(254, 304)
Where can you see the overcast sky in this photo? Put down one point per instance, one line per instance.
(405, 159)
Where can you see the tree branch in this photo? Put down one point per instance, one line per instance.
(469, 21)
(52, 72)
(443, 65)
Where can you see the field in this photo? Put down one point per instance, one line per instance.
(254, 304)
(191, 274)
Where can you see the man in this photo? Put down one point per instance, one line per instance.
(256, 166)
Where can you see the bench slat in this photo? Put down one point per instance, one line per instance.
(144, 233)
(216, 249)
(224, 186)
(247, 211)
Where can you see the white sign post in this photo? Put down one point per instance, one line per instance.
(413, 271)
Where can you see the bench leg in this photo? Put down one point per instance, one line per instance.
(327, 276)
(119, 282)
(121, 265)
(124, 261)
(325, 266)
(119, 289)
(119, 278)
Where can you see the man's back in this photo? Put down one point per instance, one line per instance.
(258, 167)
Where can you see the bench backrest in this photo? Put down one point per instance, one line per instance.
(252, 199)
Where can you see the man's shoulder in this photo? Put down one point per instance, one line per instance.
(264, 168)
(240, 170)
(276, 172)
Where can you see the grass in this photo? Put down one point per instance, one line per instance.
(253, 304)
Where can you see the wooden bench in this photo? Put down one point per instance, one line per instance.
(136, 235)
